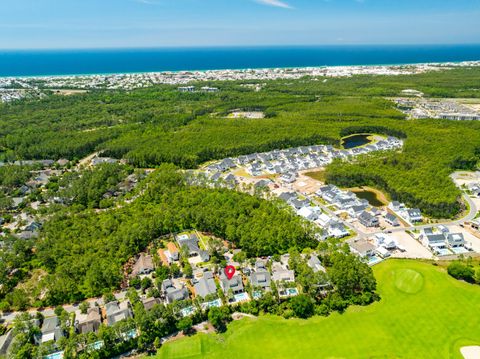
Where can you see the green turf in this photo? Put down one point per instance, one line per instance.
(423, 313)
(408, 280)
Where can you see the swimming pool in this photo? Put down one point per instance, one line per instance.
(211, 304)
(443, 252)
(257, 294)
(57, 355)
(131, 334)
(241, 297)
(374, 260)
(187, 311)
(97, 345)
(292, 291)
(289, 292)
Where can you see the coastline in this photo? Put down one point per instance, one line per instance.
(446, 65)
(31, 64)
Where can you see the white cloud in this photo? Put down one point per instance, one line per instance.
(276, 3)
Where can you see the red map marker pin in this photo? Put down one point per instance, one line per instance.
(229, 271)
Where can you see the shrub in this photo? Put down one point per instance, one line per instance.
(461, 271)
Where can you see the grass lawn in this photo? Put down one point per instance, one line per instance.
(423, 313)
(319, 175)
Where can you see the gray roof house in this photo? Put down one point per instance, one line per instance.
(205, 285)
(287, 196)
(235, 283)
(190, 241)
(434, 241)
(392, 220)
(455, 240)
(116, 312)
(297, 203)
(143, 265)
(356, 210)
(337, 230)
(91, 323)
(51, 330)
(414, 215)
(226, 164)
(263, 183)
(173, 294)
(368, 220)
(281, 274)
(151, 302)
(314, 263)
(260, 277)
(362, 248)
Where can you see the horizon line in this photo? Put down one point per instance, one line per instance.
(187, 47)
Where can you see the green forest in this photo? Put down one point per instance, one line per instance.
(152, 126)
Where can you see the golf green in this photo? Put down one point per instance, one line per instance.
(408, 281)
(423, 313)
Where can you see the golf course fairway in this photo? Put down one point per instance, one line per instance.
(423, 313)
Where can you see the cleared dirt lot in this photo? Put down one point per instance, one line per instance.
(413, 249)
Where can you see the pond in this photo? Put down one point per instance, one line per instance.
(356, 141)
(370, 196)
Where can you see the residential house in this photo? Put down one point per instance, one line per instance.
(310, 213)
(226, 164)
(314, 263)
(385, 241)
(337, 230)
(392, 220)
(414, 215)
(151, 302)
(235, 284)
(190, 242)
(260, 277)
(92, 322)
(172, 252)
(298, 203)
(434, 241)
(51, 330)
(263, 183)
(455, 240)
(117, 312)
(397, 206)
(382, 252)
(368, 220)
(172, 293)
(143, 265)
(323, 219)
(282, 274)
(287, 196)
(289, 177)
(362, 248)
(205, 285)
(356, 210)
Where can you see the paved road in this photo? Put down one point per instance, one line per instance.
(473, 210)
(470, 216)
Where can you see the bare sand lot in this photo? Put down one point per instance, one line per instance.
(306, 184)
(413, 248)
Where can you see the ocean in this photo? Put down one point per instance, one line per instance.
(77, 62)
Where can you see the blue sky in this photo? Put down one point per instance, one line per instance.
(166, 23)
